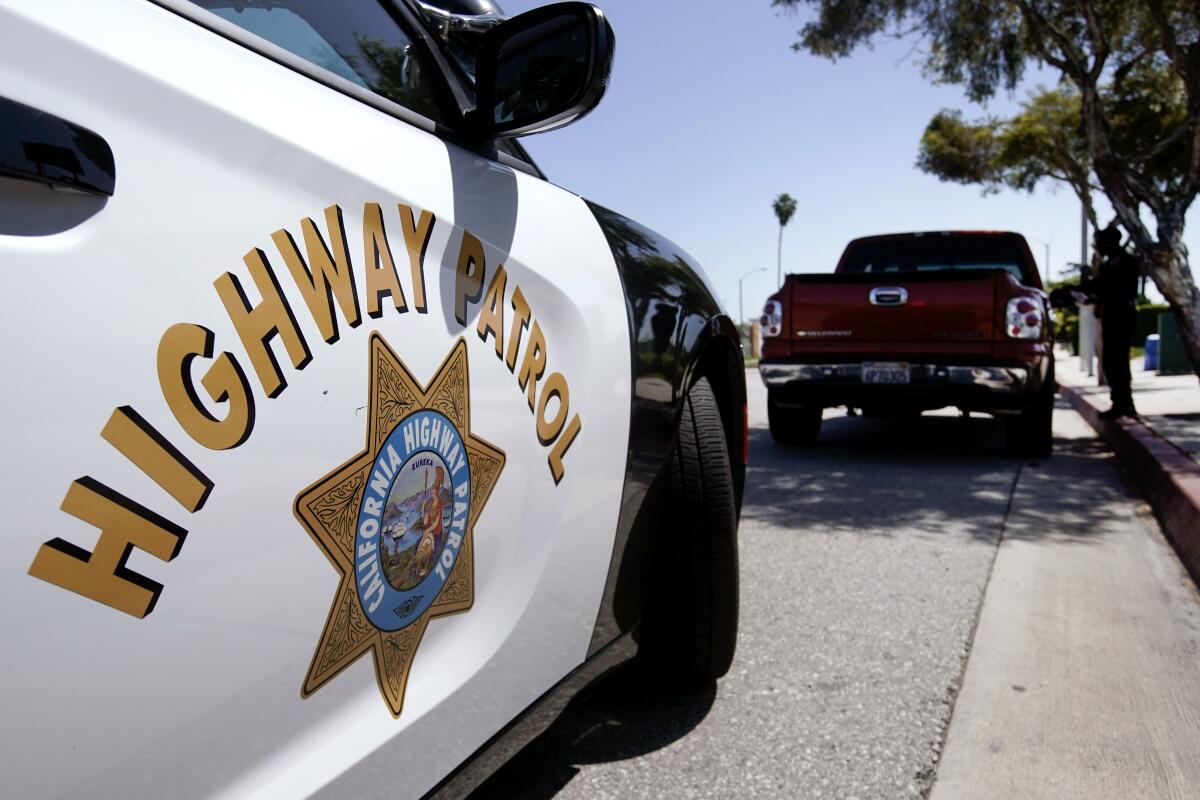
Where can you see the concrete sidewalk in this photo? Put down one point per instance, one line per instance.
(1160, 451)
(1169, 405)
(1083, 679)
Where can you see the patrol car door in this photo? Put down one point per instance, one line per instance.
(314, 426)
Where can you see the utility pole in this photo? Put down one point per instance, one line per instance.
(1087, 313)
(1046, 242)
(741, 312)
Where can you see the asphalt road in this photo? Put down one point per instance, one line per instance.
(864, 562)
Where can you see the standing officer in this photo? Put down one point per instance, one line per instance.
(1114, 290)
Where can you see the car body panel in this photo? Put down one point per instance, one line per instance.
(216, 149)
(839, 312)
(679, 333)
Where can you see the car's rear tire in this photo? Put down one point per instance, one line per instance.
(798, 424)
(689, 629)
(1030, 434)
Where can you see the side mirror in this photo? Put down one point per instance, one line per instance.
(541, 70)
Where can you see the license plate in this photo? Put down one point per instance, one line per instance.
(886, 372)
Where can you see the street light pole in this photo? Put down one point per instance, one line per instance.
(741, 311)
(1046, 242)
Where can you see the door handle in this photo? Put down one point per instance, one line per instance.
(888, 296)
(37, 146)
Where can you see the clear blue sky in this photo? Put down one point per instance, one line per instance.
(710, 115)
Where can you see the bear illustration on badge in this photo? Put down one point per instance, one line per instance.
(396, 520)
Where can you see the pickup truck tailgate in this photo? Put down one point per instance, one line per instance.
(921, 308)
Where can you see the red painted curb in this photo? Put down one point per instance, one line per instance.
(1168, 479)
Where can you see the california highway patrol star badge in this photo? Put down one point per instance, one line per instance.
(396, 520)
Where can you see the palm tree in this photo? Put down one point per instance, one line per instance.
(785, 207)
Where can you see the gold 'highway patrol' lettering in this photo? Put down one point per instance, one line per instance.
(224, 381)
(469, 280)
(336, 278)
(258, 324)
(324, 276)
(102, 574)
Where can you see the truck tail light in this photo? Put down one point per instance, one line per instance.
(1024, 318)
(772, 318)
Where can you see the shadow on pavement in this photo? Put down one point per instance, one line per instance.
(1181, 430)
(620, 717)
(917, 486)
(925, 476)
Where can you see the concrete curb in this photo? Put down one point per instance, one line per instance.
(1166, 477)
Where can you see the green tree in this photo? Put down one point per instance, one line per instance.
(785, 207)
(1124, 119)
(1043, 142)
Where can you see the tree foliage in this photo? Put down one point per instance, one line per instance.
(1044, 141)
(784, 207)
(1124, 119)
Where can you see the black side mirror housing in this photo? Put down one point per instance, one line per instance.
(1062, 299)
(541, 70)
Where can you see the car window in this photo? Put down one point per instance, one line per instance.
(359, 40)
(934, 254)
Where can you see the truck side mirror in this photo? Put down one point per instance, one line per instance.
(1062, 299)
(541, 70)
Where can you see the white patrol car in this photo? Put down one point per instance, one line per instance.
(340, 447)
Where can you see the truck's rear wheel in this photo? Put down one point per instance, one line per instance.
(798, 424)
(1030, 434)
(689, 630)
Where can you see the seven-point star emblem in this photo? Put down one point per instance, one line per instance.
(396, 520)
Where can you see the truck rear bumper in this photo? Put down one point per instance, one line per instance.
(992, 387)
(1009, 379)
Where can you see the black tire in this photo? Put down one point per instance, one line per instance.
(793, 424)
(689, 629)
(1030, 434)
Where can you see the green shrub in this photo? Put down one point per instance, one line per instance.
(1066, 321)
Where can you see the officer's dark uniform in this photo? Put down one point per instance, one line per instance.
(1115, 292)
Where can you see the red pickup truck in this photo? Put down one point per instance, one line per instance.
(913, 322)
